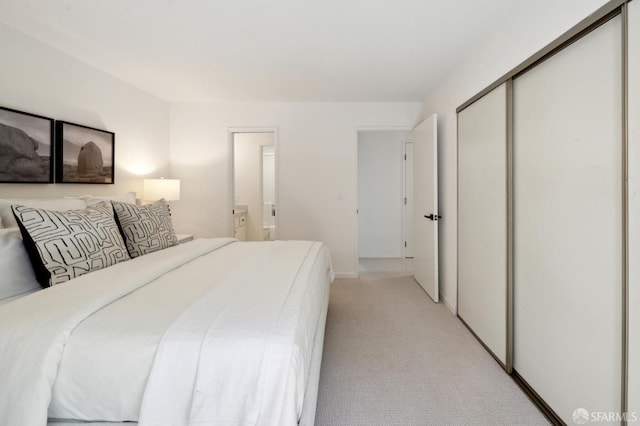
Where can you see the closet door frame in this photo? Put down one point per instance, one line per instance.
(608, 11)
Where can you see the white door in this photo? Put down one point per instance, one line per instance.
(482, 219)
(568, 229)
(408, 199)
(425, 193)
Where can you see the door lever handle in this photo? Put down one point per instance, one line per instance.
(433, 217)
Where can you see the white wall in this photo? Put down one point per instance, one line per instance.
(530, 27)
(248, 178)
(38, 79)
(316, 166)
(380, 192)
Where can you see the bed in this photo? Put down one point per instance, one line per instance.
(213, 331)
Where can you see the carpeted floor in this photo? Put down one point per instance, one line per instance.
(393, 357)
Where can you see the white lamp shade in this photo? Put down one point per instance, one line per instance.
(155, 189)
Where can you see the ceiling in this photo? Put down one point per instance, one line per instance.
(265, 50)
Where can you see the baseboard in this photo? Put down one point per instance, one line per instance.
(540, 403)
(495, 357)
(449, 305)
(346, 275)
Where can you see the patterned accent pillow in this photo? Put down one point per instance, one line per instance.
(58, 204)
(66, 245)
(145, 228)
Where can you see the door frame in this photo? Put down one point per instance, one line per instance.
(231, 199)
(358, 129)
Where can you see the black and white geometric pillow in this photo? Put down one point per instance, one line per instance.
(145, 228)
(66, 245)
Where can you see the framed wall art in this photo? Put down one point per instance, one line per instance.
(84, 154)
(26, 147)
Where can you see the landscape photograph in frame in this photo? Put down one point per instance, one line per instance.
(84, 154)
(26, 147)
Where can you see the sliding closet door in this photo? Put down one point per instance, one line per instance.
(634, 207)
(482, 226)
(568, 225)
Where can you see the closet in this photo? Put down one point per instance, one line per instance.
(548, 233)
(567, 174)
(482, 218)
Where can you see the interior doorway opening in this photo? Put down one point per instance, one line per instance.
(254, 184)
(384, 186)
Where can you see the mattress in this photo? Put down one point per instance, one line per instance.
(232, 323)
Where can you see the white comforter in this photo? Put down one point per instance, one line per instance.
(210, 332)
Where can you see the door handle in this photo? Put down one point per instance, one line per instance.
(433, 217)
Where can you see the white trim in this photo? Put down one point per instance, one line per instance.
(345, 275)
(384, 257)
(385, 128)
(448, 305)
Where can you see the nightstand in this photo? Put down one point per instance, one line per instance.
(184, 238)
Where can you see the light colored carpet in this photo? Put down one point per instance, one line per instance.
(393, 357)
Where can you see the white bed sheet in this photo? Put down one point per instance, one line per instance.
(34, 329)
(241, 354)
(108, 357)
(16, 297)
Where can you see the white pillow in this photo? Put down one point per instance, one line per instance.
(17, 274)
(56, 204)
(129, 197)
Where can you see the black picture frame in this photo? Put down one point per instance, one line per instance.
(26, 147)
(84, 154)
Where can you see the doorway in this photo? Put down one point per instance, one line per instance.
(382, 193)
(253, 182)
